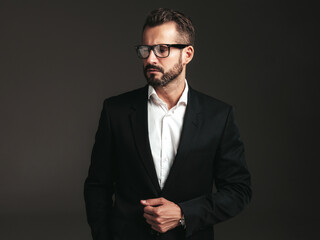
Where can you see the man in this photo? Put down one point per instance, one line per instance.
(159, 149)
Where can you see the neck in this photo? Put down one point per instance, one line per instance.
(172, 92)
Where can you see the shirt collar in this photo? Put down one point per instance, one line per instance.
(153, 96)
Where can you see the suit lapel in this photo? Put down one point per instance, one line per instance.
(191, 124)
(139, 123)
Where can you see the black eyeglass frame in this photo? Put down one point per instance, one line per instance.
(152, 47)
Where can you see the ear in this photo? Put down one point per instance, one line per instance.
(188, 54)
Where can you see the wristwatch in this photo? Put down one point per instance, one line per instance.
(182, 222)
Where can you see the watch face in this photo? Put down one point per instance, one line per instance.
(182, 222)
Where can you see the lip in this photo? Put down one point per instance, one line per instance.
(153, 70)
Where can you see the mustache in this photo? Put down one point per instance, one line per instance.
(160, 69)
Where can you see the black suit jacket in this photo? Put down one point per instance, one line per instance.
(122, 170)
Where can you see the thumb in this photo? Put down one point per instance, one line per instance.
(153, 202)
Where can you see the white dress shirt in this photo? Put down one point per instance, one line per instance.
(165, 128)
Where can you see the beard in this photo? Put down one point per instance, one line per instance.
(167, 77)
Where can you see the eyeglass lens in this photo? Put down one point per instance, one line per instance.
(159, 50)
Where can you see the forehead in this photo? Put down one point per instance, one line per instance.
(164, 33)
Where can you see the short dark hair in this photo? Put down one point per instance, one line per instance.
(164, 15)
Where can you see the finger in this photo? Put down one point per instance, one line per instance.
(157, 228)
(144, 202)
(151, 223)
(160, 229)
(156, 221)
(153, 201)
(163, 227)
(149, 217)
(149, 210)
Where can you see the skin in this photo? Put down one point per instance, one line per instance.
(167, 34)
(162, 214)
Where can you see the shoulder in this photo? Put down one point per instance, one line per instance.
(127, 99)
(208, 103)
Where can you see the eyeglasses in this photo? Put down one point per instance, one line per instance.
(160, 50)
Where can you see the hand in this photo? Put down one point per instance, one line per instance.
(161, 214)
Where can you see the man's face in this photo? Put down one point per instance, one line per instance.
(161, 71)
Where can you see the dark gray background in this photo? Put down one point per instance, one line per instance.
(59, 60)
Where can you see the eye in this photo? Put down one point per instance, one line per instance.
(163, 48)
(144, 50)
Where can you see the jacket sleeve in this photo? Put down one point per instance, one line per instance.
(232, 180)
(98, 187)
